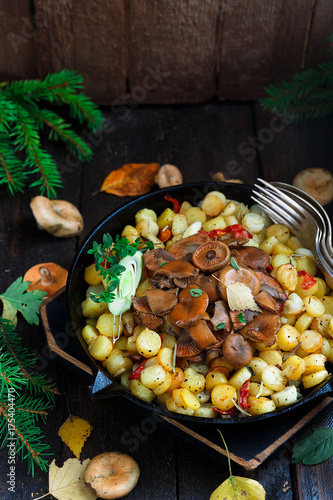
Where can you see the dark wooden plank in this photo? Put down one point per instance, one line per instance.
(321, 27)
(172, 50)
(262, 43)
(88, 38)
(17, 51)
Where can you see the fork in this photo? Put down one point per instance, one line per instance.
(298, 219)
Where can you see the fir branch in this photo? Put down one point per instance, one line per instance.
(12, 173)
(61, 130)
(36, 384)
(37, 159)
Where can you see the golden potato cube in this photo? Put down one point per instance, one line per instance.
(91, 309)
(271, 357)
(293, 368)
(177, 378)
(279, 231)
(153, 376)
(109, 325)
(205, 412)
(91, 275)
(314, 379)
(215, 378)
(165, 219)
(165, 358)
(118, 363)
(314, 363)
(288, 337)
(285, 397)
(273, 378)
(224, 396)
(89, 333)
(193, 381)
(141, 392)
(148, 343)
(260, 405)
(164, 386)
(100, 348)
(281, 249)
(195, 214)
(240, 377)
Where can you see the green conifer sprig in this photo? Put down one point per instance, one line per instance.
(22, 117)
(19, 388)
(307, 95)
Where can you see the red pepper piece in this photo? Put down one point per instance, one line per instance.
(308, 281)
(137, 372)
(232, 412)
(269, 268)
(165, 234)
(214, 233)
(244, 392)
(175, 203)
(238, 231)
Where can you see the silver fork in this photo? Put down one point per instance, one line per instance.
(311, 205)
(285, 210)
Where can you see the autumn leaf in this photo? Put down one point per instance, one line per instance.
(67, 482)
(74, 432)
(132, 179)
(239, 488)
(240, 298)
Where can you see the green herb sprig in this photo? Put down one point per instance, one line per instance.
(107, 256)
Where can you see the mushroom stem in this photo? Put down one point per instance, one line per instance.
(46, 277)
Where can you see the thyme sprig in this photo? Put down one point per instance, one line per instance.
(107, 256)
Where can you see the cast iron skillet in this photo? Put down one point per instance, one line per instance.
(105, 385)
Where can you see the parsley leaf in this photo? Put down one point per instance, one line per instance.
(16, 298)
(220, 326)
(314, 448)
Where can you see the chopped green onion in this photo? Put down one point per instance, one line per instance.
(220, 326)
(195, 292)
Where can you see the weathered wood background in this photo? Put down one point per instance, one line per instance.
(164, 51)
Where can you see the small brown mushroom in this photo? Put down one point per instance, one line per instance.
(221, 316)
(160, 301)
(270, 285)
(176, 269)
(184, 248)
(219, 177)
(266, 301)
(230, 275)
(262, 328)
(192, 304)
(168, 175)
(151, 321)
(317, 182)
(111, 475)
(153, 259)
(201, 333)
(49, 277)
(58, 217)
(211, 256)
(236, 351)
(252, 257)
(209, 285)
(186, 346)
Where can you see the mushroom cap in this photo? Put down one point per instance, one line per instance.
(230, 275)
(184, 248)
(201, 333)
(153, 259)
(58, 217)
(176, 269)
(111, 475)
(211, 256)
(209, 285)
(317, 182)
(192, 304)
(271, 285)
(263, 328)
(48, 276)
(236, 350)
(168, 175)
(160, 301)
(252, 257)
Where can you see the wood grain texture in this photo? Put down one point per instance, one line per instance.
(17, 33)
(88, 37)
(177, 40)
(321, 27)
(262, 42)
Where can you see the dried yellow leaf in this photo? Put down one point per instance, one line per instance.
(67, 482)
(240, 298)
(74, 432)
(239, 488)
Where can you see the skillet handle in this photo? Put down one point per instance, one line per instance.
(102, 387)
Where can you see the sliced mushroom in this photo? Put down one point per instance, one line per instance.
(270, 285)
(212, 354)
(201, 333)
(151, 321)
(141, 305)
(185, 282)
(211, 256)
(176, 269)
(160, 301)
(192, 304)
(235, 317)
(245, 275)
(186, 346)
(252, 257)
(174, 328)
(266, 301)
(236, 351)
(263, 328)
(184, 248)
(153, 259)
(209, 285)
(233, 242)
(221, 316)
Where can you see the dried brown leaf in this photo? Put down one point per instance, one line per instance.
(132, 179)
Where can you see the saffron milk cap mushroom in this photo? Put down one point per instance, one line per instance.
(58, 217)
(317, 182)
(49, 277)
(111, 475)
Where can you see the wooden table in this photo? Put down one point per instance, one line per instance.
(241, 141)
